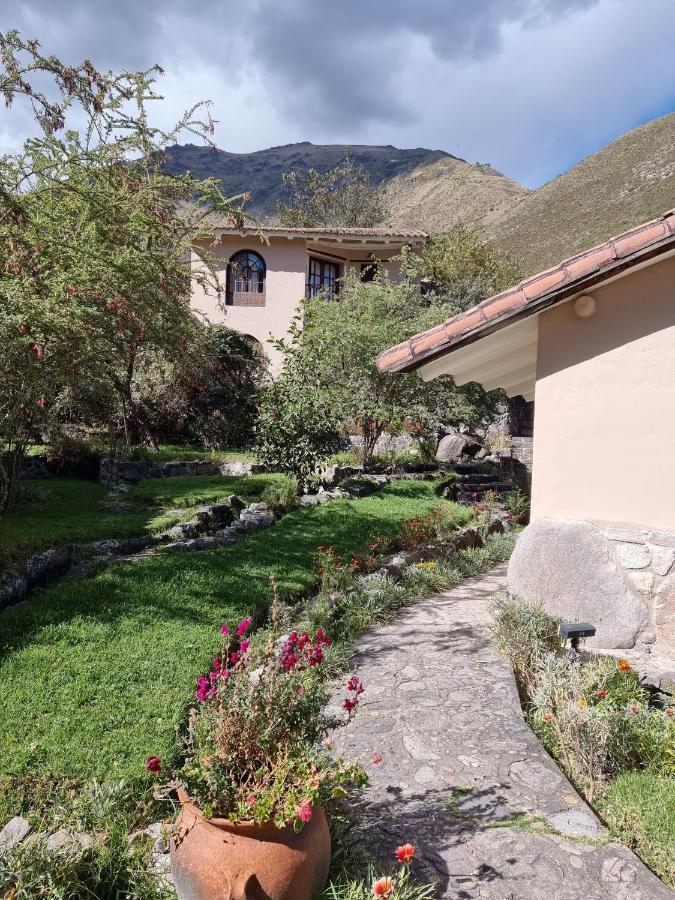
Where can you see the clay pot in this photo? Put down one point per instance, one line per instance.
(214, 859)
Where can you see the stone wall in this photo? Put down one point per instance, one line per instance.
(522, 451)
(622, 580)
(112, 471)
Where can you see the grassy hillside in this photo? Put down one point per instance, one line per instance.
(443, 193)
(629, 181)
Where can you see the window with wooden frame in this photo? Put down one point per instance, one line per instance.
(246, 273)
(323, 277)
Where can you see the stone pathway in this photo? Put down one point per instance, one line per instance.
(459, 763)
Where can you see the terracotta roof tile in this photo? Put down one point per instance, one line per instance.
(564, 280)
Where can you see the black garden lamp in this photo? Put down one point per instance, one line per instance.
(574, 631)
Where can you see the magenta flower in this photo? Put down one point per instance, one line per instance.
(224, 630)
(304, 811)
(154, 765)
(243, 626)
(244, 645)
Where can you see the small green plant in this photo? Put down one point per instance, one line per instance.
(281, 494)
(524, 632)
(518, 505)
(497, 439)
(33, 492)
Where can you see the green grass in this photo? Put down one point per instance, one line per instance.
(640, 810)
(72, 510)
(96, 673)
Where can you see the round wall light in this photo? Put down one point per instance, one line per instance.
(584, 306)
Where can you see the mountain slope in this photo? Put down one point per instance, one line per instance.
(629, 181)
(260, 172)
(443, 193)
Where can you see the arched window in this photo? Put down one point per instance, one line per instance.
(246, 279)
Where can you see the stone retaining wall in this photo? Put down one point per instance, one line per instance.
(522, 448)
(112, 471)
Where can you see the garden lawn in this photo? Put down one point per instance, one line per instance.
(95, 674)
(70, 510)
(640, 810)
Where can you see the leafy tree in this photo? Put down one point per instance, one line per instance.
(345, 337)
(343, 195)
(95, 256)
(463, 268)
(297, 427)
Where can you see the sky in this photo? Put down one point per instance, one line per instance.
(529, 86)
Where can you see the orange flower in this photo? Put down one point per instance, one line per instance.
(405, 853)
(624, 665)
(383, 887)
(547, 717)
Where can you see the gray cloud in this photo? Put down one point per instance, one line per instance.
(448, 73)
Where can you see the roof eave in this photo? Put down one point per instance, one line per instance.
(412, 362)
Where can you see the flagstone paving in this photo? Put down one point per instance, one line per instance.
(463, 777)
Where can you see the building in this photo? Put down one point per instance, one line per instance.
(266, 272)
(592, 342)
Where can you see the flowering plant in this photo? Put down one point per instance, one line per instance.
(253, 746)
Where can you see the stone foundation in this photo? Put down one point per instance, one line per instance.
(622, 580)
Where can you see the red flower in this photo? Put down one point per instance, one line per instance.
(250, 800)
(38, 351)
(224, 630)
(377, 759)
(23, 329)
(350, 704)
(153, 765)
(405, 853)
(601, 693)
(40, 402)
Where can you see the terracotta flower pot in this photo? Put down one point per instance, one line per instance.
(214, 859)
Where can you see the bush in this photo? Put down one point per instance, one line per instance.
(524, 633)
(596, 719)
(282, 494)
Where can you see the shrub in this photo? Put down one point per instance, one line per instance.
(524, 632)
(518, 505)
(434, 525)
(281, 494)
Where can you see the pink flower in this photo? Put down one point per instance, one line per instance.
(234, 658)
(350, 704)
(250, 800)
(377, 759)
(243, 626)
(23, 329)
(224, 630)
(328, 743)
(383, 887)
(40, 402)
(304, 811)
(243, 646)
(38, 351)
(300, 691)
(153, 765)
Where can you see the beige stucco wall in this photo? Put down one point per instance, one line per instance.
(604, 431)
(284, 289)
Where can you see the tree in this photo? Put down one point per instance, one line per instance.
(345, 337)
(343, 196)
(95, 255)
(462, 267)
(297, 427)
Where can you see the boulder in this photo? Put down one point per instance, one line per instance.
(664, 617)
(13, 833)
(67, 840)
(454, 448)
(571, 569)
